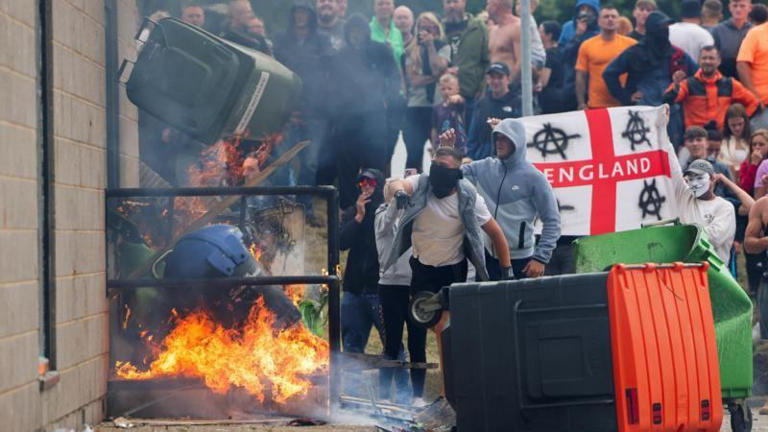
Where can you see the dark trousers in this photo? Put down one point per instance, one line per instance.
(432, 279)
(418, 124)
(359, 313)
(494, 267)
(562, 262)
(755, 269)
(762, 304)
(394, 306)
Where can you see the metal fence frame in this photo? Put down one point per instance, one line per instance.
(331, 197)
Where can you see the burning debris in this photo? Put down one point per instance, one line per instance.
(267, 363)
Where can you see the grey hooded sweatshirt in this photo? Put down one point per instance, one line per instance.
(517, 194)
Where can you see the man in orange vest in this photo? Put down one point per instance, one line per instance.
(707, 95)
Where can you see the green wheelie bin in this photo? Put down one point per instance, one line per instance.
(731, 306)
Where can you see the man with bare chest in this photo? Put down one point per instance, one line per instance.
(756, 242)
(504, 34)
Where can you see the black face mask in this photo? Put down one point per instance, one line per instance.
(443, 180)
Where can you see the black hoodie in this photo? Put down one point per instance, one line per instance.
(364, 78)
(308, 59)
(362, 272)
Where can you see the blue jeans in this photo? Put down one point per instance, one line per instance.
(359, 313)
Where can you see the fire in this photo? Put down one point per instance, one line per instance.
(222, 164)
(255, 252)
(256, 357)
(295, 293)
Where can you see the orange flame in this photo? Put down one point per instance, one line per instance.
(294, 292)
(222, 164)
(255, 252)
(257, 358)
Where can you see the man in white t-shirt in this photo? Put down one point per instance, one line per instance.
(443, 220)
(688, 34)
(438, 229)
(698, 204)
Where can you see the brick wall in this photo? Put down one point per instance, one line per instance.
(79, 125)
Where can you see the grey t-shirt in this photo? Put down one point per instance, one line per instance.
(728, 40)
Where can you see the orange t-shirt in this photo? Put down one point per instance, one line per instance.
(754, 50)
(595, 54)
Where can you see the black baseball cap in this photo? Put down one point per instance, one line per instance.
(498, 67)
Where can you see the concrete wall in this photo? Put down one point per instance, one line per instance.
(79, 121)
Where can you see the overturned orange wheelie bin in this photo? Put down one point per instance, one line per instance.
(632, 349)
(731, 307)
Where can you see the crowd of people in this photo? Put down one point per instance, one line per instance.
(453, 79)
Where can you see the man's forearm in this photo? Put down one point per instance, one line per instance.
(745, 76)
(754, 245)
(499, 242)
(581, 88)
(746, 200)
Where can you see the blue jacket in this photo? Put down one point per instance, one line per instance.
(569, 28)
(517, 194)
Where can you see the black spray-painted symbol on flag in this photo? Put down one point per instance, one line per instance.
(550, 141)
(651, 200)
(636, 131)
(564, 207)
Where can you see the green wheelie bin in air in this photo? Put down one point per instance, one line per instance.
(731, 306)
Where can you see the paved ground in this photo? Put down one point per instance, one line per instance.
(236, 428)
(760, 425)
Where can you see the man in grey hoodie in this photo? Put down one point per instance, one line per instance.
(517, 195)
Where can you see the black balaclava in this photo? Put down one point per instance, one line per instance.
(657, 34)
(443, 180)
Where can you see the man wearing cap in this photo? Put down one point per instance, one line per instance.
(500, 102)
(698, 204)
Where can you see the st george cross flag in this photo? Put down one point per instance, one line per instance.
(609, 167)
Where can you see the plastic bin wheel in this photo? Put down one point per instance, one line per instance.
(426, 309)
(741, 415)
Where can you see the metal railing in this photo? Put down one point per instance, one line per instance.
(328, 193)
